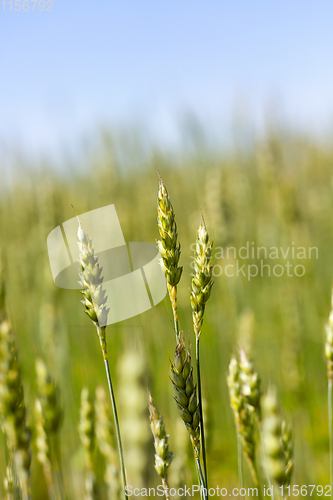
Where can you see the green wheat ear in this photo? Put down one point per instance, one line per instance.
(186, 393)
(168, 247)
(244, 417)
(163, 456)
(202, 278)
(48, 419)
(12, 405)
(87, 436)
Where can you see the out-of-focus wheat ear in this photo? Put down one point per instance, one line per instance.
(106, 442)
(43, 449)
(132, 376)
(244, 418)
(87, 436)
(329, 358)
(251, 390)
(168, 247)
(12, 405)
(8, 483)
(49, 417)
(279, 460)
(288, 446)
(163, 456)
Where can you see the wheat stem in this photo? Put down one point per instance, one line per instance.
(203, 489)
(116, 421)
(166, 488)
(330, 423)
(240, 460)
(203, 442)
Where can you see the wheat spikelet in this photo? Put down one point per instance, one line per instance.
(105, 438)
(244, 416)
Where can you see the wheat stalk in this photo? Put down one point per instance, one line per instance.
(106, 442)
(94, 301)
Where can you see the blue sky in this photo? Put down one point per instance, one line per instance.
(65, 73)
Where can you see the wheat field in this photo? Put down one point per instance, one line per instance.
(278, 193)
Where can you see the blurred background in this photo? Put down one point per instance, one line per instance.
(234, 105)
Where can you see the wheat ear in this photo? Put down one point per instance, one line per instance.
(87, 436)
(201, 288)
(277, 440)
(251, 390)
(49, 415)
(12, 404)
(94, 301)
(244, 417)
(186, 399)
(163, 456)
(169, 248)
